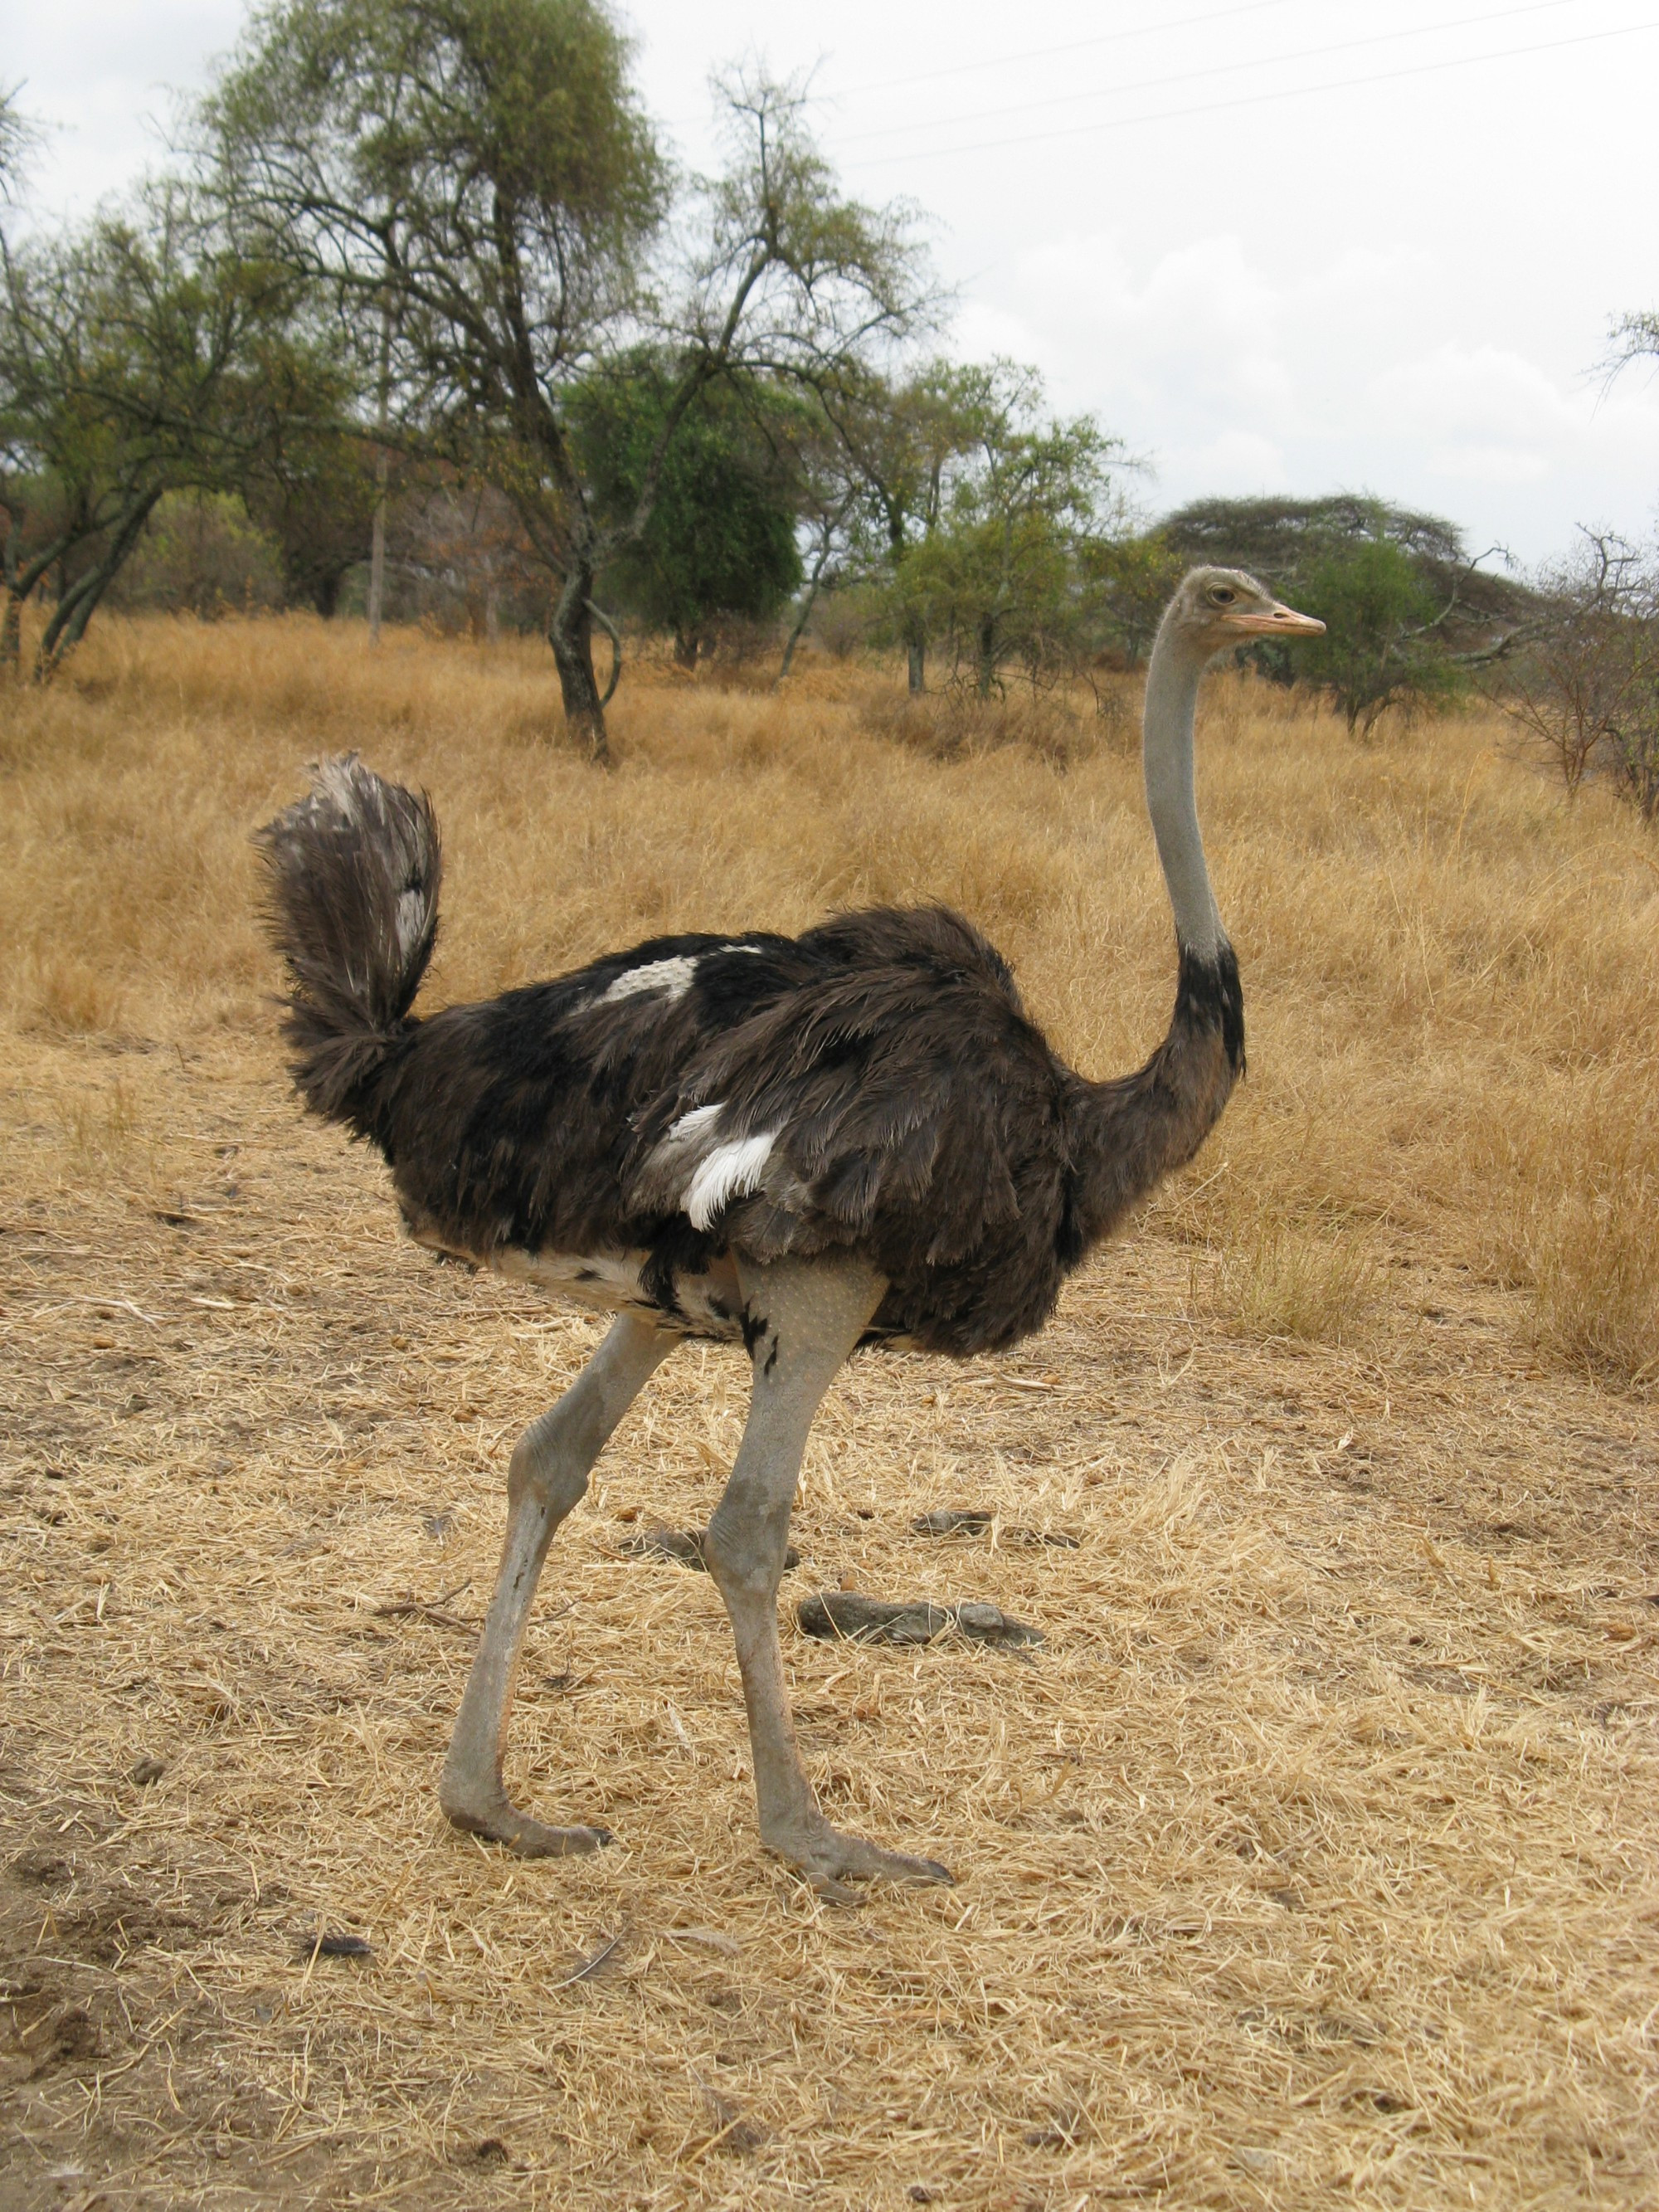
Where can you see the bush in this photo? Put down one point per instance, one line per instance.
(950, 724)
(1586, 687)
(200, 554)
(1380, 649)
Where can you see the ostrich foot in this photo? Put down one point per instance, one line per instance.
(828, 1858)
(503, 1823)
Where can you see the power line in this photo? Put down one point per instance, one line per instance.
(1047, 53)
(1252, 99)
(1038, 53)
(1216, 68)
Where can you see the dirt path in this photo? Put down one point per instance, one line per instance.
(1312, 1862)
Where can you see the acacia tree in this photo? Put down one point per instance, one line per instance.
(1408, 613)
(474, 183)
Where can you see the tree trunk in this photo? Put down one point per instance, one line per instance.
(916, 656)
(75, 609)
(382, 465)
(11, 623)
(827, 527)
(795, 635)
(570, 634)
(377, 553)
(325, 595)
(686, 643)
(988, 655)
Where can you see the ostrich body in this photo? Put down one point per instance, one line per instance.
(856, 1136)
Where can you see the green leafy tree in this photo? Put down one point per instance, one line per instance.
(1410, 614)
(312, 490)
(828, 491)
(1284, 540)
(720, 540)
(474, 183)
(1280, 536)
(1381, 646)
(200, 554)
(1000, 577)
(142, 354)
(1130, 579)
(899, 445)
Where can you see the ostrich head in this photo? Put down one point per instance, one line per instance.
(1215, 608)
(1211, 610)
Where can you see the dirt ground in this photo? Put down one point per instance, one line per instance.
(1312, 1862)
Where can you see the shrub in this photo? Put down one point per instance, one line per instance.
(200, 554)
(1586, 687)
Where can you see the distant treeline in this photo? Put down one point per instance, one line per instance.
(421, 323)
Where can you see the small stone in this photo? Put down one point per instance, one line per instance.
(857, 1619)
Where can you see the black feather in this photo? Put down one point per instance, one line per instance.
(916, 1114)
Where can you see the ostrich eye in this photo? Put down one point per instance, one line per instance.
(1222, 595)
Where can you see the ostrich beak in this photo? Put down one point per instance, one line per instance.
(1282, 622)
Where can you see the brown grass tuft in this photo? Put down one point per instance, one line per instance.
(949, 725)
(1319, 1287)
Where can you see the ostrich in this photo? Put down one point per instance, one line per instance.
(852, 1137)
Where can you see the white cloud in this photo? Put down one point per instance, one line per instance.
(1282, 295)
(1237, 462)
(1482, 392)
(1236, 366)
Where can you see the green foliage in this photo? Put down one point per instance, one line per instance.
(201, 554)
(1407, 613)
(142, 354)
(1130, 582)
(1379, 648)
(1277, 538)
(411, 151)
(312, 493)
(1019, 503)
(472, 182)
(720, 540)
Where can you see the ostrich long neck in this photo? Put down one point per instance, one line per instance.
(1128, 1134)
(1172, 683)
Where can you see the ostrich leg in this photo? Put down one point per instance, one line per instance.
(804, 1319)
(547, 1477)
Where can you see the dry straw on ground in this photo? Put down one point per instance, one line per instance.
(1310, 1862)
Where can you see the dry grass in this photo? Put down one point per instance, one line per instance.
(1310, 1862)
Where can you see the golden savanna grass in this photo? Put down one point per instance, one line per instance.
(1311, 1861)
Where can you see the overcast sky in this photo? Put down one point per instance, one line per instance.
(1290, 246)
